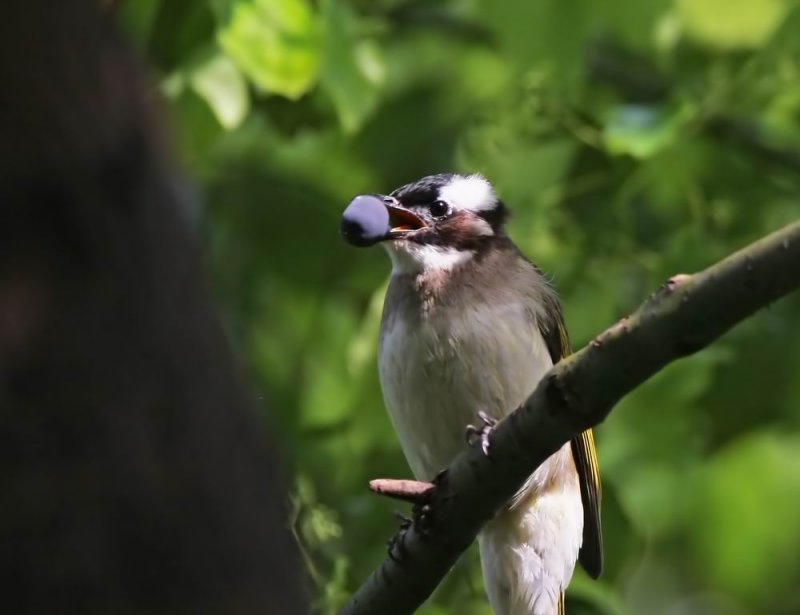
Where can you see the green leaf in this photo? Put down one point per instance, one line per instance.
(352, 68)
(276, 43)
(746, 519)
(546, 32)
(732, 24)
(196, 127)
(641, 131)
(223, 87)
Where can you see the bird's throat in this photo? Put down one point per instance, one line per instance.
(412, 258)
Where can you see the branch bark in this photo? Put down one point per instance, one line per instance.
(683, 316)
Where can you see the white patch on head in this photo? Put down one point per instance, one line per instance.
(410, 257)
(472, 192)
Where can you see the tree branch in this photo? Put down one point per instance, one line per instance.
(683, 316)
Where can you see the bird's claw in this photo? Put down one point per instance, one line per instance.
(421, 512)
(405, 520)
(420, 519)
(422, 508)
(475, 434)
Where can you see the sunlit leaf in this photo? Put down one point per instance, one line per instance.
(730, 24)
(222, 86)
(276, 43)
(352, 68)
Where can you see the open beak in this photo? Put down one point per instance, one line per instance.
(402, 221)
(370, 218)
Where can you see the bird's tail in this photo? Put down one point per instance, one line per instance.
(528, 554)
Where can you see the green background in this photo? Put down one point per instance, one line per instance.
(633, 139)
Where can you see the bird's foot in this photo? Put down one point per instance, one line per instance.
(421, 519)
(481, 434)
(421, 513)
(422, 508)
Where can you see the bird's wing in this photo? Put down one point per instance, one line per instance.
(583, 452)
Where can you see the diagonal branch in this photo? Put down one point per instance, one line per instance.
(685, 315)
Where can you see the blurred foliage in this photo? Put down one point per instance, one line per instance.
(633, 140)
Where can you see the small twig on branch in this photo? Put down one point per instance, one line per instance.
(686, 314)
(413, 491)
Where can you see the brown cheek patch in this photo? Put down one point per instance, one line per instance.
(463, 231)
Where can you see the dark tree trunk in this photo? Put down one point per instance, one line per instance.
(135, 475)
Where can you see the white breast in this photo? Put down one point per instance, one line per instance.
(437, 372)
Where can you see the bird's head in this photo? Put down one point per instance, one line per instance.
(435, 223)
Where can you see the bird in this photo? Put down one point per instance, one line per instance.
(469, 327)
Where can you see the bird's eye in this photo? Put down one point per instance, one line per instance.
(439, 209)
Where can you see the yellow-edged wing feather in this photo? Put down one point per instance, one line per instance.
(591, 554)
(585, 455)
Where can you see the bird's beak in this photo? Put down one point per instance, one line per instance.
(370, 218)
(401, 220)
